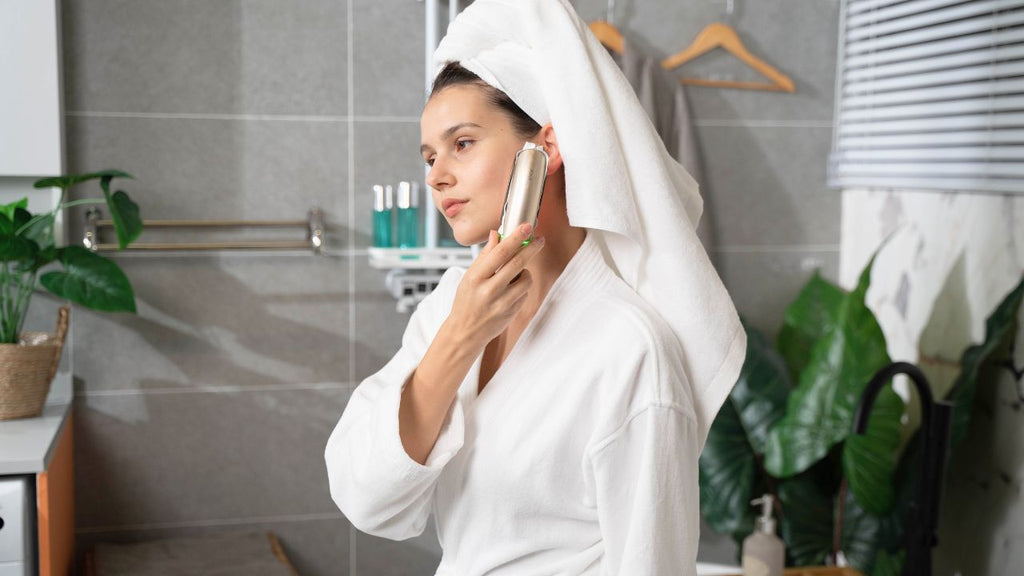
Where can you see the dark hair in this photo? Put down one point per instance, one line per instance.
(453, 74)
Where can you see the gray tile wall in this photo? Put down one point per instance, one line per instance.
(209, 409)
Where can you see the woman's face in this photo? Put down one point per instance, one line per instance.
(470, 146)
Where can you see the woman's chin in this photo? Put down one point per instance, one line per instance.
(467, 242)
(469, 237)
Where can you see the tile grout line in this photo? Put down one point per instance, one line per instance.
(352, 118)
(241, 117)
(350, 79)
(212, 523)
(166, 391)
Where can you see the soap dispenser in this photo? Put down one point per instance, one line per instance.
(764, 553)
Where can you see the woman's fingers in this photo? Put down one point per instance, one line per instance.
(492, 241)
(508, 247)
(510, 271)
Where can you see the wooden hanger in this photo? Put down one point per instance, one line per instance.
(720, 35)
(608, 34)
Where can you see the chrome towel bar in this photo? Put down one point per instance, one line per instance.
(314, 226)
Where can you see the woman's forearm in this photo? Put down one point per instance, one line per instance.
(431, 389)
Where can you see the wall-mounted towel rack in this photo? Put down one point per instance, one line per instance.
(313, 225)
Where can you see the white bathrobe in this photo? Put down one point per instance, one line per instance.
(579, 456)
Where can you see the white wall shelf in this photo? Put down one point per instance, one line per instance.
(419, 258)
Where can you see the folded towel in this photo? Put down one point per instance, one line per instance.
(621, 183)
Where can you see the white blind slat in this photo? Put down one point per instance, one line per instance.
(859, 6)
(937, 109)
(978, 138)
(883, 27)
(956, 76)
(951, 184)
(961, 28)
(897, 11)
(985, 40)
(930, 95)
(935, 93)
(932, 169)
(963, 59)
(967, 122)
(934, 154)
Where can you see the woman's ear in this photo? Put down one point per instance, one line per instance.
(550, 144)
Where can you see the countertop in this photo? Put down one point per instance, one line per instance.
(26, 444)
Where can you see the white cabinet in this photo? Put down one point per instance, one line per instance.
(31, 107)
(17, 530)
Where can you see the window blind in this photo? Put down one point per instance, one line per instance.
(930, 95)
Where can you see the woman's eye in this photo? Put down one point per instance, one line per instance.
(461, 142)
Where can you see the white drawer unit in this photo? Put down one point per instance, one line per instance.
(17, 525)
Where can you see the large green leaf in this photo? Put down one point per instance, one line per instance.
(864, 534)
(869, 459)
(728, 464)
(9, 209)
(888, 563)
(761, 391)
(808, 524)
(819, 412)
(72, 179)
(810, 317)
(14, 248)
(728, 470)
(1000, 325)
(40, 229)
(124, 213)
(90, 280)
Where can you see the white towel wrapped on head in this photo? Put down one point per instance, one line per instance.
(620, 181)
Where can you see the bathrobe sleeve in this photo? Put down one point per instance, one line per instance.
(645, 477)
(374, 482)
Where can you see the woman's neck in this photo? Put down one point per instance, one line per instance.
(561, 243)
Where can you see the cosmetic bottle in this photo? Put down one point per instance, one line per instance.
(382, 209)
(764, 553)
(421, 238)
(408, 217)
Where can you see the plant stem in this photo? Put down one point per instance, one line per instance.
(82, 201)
(837, 531)
(26, 286)
(5, 301)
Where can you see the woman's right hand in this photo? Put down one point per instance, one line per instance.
(494, 288)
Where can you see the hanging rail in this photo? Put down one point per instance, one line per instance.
(314, 226)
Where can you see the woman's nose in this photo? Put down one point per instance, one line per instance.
(438, 177)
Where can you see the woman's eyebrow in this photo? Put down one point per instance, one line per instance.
(449, 132)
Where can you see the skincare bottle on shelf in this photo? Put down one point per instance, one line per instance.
(408, 217)
(421, 239)
(764, 553)
(382, 208)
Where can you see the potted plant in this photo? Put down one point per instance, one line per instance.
(28, 252)
(786, 429)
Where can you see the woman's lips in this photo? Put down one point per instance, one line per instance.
(453, 207)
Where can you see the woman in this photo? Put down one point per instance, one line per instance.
(541, 405)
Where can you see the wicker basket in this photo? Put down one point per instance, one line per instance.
(28, 367)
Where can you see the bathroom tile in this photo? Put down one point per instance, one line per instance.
(145, 459)
(315, 547)
(215, 169)
(388, 42)
(797, 37)
(763, 284)
(234, 319)
(385, 153)
(766, 185)
(379, 325)
(194, 56)
(383, 557)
